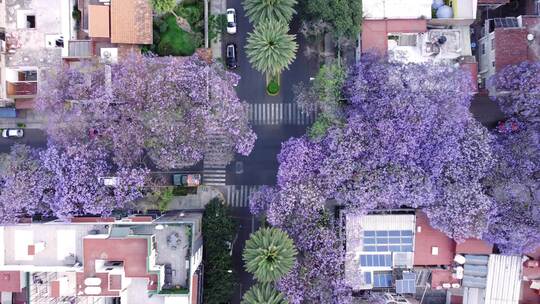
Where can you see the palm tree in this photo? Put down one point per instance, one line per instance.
(261, 10)
(263, 293)
(269, 254)
(270, 49)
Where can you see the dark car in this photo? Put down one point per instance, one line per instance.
(187, 180)
(231, 56)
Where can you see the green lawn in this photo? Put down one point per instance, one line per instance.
(175, 41)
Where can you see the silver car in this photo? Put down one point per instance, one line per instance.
(231, 21)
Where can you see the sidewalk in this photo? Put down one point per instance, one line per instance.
(29, 118)
(189, 202)
(217, 7)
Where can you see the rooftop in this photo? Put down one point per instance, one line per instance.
(131, 21)
(431, 247)
(396, 9)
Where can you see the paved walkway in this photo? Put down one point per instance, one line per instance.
(217, 7)
(188, 202)
(29, 118)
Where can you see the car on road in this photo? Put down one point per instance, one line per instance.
(230, 57)
(187, 180)
(231, 21)
(12, 133)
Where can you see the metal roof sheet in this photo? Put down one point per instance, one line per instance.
(504, 279)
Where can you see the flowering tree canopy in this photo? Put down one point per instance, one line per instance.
(408, 139)
(514, 184)
(518, 90)
(25, 187)
(63, 182)
(76, 173)
(164, 107)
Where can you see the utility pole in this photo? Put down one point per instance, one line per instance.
(206, 42)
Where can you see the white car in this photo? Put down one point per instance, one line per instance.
(231, 21)
(17, 133)
(109, 181)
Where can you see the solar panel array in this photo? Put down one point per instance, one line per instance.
(384, 241)
(506, 22)
(376, 260)
(408, 284)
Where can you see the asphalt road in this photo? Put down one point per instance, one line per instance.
(33, 137)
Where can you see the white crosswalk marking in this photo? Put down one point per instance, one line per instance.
(279, 114)
(214, 176)
(216, 157)
(238, 195)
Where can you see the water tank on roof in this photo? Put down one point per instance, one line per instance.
(445, 11)
(436, 4)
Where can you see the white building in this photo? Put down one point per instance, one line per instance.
(136, 260)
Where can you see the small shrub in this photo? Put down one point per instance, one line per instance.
(76, 13)
(273, 87)
(165, 198)
(21, 125)
(319, 127)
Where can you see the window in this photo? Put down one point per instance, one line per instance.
(492, 44)
(493, 63)
(367, 278)
(382, 279)
(483, 48)
(30, 21)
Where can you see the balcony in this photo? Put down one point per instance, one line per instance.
(21, 89)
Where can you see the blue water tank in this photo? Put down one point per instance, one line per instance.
(445, 11)
(436, 4)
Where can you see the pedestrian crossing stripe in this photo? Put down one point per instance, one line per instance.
(214, 176)
(238, 195)
(279, 114)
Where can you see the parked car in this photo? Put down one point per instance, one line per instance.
(231, 56)
(231, 21)
(187, 180)
(110, 181)
(12, 133)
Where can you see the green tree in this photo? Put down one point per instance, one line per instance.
(164, 6)
(269, 254)
(218, 230)
(262, 10)
(344, 16)
(270, 49)
(263, 293)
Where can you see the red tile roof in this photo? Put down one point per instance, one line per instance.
(440, 276)
(92, 219)
(55, 289)
(375, 32)
(131, 21)
(10, 281)
(511, 45)
(195, 289)
(98, 16)
(474, 246)
(427, 238)
(133, 252)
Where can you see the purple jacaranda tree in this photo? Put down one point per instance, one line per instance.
(408, 140)
(166, 108)
(25, 188)
(77, 172)
(518, 90)
(514, 184)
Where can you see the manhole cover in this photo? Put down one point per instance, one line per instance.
(239, 167)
